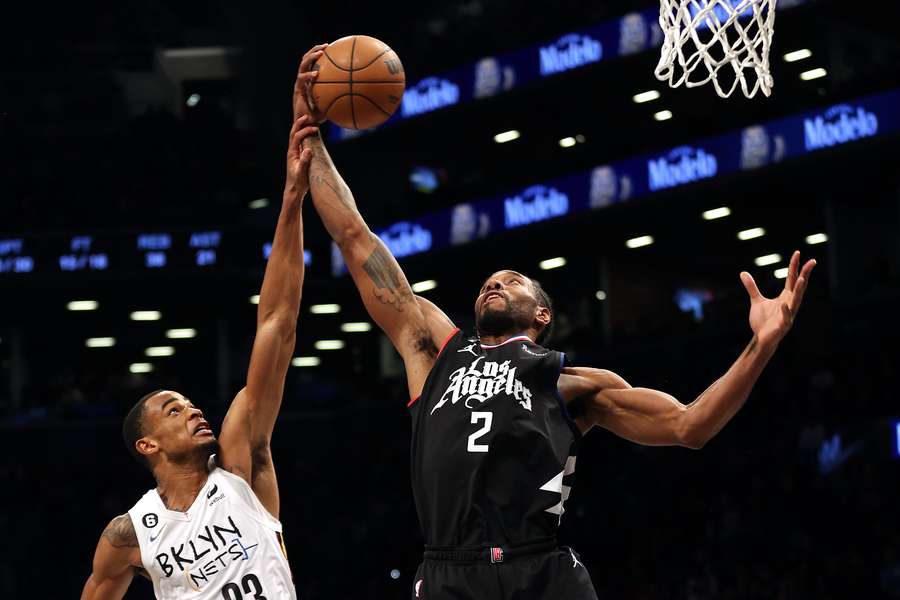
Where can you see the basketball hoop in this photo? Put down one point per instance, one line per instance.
(704, 36)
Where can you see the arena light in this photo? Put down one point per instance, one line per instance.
(768, 259)
(648, 96)
(600, 295)
(663, 115)
(567, 142)
(716, 213)
(159, 351)
(146, 315)
(639, 242)
(100, 342)
(82, 305)
(325, 309)
(306, 361)
(813, 74)
(258, 203)
(424, 286)
(552, 263)
(797, 55)
(330, 345)
(816, 238)
(254, 299)
(751, 234)
(356, 327)
(140, 367)
(781, 273)
(181, 334)
(507, 136)
(193, 100)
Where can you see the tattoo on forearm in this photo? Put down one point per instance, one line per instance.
(390, 287)
(120, 533)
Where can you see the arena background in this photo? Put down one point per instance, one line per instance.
(142, 161)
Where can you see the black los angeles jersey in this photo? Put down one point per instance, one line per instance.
(493, 447)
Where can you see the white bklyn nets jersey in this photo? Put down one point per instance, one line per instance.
(226, 546)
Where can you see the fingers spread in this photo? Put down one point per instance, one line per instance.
(798, 294)
(309, 59)
(792, 271)
(750, 286)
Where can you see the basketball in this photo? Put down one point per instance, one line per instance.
(360, 82)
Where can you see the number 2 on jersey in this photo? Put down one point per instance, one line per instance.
(487, 417)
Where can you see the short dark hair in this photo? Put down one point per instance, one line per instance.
(543, 299)
(133, 427)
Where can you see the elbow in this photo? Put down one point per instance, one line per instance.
(281, 324)
(690, 435)
(350, 234)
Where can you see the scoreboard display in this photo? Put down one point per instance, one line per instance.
(178, 252)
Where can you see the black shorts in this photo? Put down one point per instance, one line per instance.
(550, 575)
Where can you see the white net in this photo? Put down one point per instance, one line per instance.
(723, 41)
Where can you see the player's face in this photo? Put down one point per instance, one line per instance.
(177, 427)
(506, 303)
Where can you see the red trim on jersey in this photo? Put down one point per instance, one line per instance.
(444, 345)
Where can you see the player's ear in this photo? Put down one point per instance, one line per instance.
(146, 446)
(542, 315)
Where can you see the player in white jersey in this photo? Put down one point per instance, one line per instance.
(210, 528)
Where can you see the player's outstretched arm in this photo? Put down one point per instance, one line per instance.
(115, 562)
(248, 425)
(416, 327)
(652, 417)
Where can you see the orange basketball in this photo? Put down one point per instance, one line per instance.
(360, 82)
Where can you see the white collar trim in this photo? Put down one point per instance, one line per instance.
(517, 338)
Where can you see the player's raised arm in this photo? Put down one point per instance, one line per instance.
(652, 417)
(248, 425)
(115, 562)
(416, 327)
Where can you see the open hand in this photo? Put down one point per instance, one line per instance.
(298, 158)
(771, 318)
(306, 75)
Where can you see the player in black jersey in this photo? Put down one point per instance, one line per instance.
(497, 417)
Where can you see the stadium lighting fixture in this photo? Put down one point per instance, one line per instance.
(639, 242)
(751, 234)
(325, 309)
(254, 299)
(816, 238)
(159, 351)
(663, 115)
(82, 305)
(181, 334)
(797, 55)
(600, 295)
(567, 142)
(552, 263)
(356, 327)
(424, 286)
(813, 74)
(781, 273)
(146, 315)
(716, 213)
(768, 259)
(258, 203)
(140, 367)
(507, 136)
(306, 361)
(193, 100)
(100, 342)
(647, 96)
(330, 345)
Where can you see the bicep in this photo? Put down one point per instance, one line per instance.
(235, 447)
(113, 564)
(641, 415)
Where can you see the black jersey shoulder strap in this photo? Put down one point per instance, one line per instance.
(450, 340)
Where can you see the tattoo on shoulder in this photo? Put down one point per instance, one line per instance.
(382, 269)
(120, 532)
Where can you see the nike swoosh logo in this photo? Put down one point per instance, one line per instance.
(212, 492)
(153, 538)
